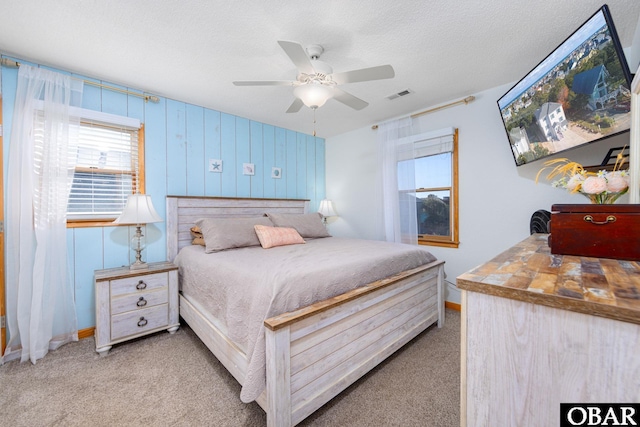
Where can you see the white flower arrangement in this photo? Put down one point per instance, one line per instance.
(602, 187)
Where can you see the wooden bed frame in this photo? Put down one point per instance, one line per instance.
(304, 368)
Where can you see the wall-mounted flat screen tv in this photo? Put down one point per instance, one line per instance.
(577, 95)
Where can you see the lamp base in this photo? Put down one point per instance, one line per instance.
(137, 244)
(139, 265)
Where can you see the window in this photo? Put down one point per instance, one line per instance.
(435, 189)
(109, 165)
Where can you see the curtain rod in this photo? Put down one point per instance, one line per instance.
(465, 101)
(6, 62)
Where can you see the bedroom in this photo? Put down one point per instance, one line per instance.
(339, 166)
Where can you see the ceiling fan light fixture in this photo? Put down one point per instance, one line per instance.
(313, 95)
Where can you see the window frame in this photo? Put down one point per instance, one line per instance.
(445, 241)
(108, 221)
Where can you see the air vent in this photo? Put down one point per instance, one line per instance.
(399, 94)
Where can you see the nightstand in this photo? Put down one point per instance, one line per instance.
(133, 303)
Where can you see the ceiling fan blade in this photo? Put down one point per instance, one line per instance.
(298, 56)
(296, 106)
(348, 99)
(365, 74)
(265, 83)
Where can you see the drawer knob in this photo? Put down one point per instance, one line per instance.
(141, 302)
(610, 218)
(141, 285)
(142, 322)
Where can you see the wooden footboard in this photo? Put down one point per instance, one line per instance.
(316, 352)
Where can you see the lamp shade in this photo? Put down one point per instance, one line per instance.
(138, 210)
(313, 95)
(326, 208)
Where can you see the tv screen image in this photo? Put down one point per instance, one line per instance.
(577, 95)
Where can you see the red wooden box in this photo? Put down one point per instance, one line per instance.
(599, 231)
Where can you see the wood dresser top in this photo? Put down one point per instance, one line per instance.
(529, 272)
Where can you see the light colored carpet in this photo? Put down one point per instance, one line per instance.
(173, 380)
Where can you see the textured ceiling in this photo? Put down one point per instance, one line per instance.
(192, 50)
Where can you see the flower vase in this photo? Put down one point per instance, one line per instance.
(604, 198)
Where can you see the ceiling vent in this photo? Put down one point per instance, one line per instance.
(399, 94)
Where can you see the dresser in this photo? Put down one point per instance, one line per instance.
(133, 303)
(539, 329)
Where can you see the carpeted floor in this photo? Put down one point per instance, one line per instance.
(173, 380)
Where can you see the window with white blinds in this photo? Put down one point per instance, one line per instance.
(107, 168)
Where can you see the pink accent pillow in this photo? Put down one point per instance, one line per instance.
(277, 236)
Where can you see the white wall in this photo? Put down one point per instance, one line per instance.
(496, 198)
(632, 53)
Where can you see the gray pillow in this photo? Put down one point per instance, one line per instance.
(228, 233)
(309, 226)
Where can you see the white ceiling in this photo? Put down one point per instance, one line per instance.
(192, 50)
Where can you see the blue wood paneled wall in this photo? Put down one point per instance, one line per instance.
(180, 139)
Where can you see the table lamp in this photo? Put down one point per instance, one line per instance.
(138, 211)
(326, 209)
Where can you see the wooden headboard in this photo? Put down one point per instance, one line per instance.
(184, 211)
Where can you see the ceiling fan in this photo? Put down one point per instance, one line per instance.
(316, 82)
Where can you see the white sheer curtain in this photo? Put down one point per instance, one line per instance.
(41, 313)
(398, 207)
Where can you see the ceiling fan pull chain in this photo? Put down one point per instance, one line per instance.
(314, 121)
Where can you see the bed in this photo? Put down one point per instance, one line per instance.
(310, 353)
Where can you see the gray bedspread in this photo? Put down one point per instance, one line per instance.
(243, 287)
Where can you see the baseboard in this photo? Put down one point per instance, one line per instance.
(452, 305)
(86, 333)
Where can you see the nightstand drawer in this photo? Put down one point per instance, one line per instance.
(147, 282)
(139, 321)
(139, 300)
